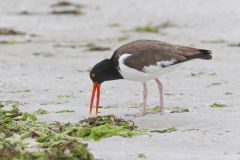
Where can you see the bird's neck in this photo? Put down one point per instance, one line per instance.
(114, 73)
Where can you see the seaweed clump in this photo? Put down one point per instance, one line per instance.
(102, 127)
(22, 137)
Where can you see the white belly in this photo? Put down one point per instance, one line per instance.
(148, 73)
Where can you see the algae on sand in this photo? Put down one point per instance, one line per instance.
(218, 105)
(104, 126)
(16, 127)
(41, 111)
(65, 111)
(56, 141)
(8, 31)
(94, 47)
(169, 130)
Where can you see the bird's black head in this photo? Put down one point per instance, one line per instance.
(104, 71)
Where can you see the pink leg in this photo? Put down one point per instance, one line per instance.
(145, 94)
(160, 87)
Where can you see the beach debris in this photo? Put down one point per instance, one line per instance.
(142, 156)
(67, 46)
(24, 12)
(169, 130)
(8, 31)
(155, 28)
(115, 24)
(228, 93)
(107, 106)
(65, 111)
(94, 47)
(191, 129)
(9, 103)
(56, 141)
(8, 42)
(61, 150)
(66, 12)
(151, 28)
(20, 91)
(104, 126)
(41, 111)
(216, 84)
(16, 127)
(28, 117)
(155, 108)
(218, 105)
(65, 96)
(123, 38)
(66, 8)
(66, 4)
(198, 74)
(234, 44)
(179, 110)
(217, 41)
(44, 54)
(170, 110)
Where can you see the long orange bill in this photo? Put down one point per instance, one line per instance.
(96, 86)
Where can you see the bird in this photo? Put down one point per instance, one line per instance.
(142, 60)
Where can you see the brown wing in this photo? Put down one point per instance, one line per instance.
(149, 52)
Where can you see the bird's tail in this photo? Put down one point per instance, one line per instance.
(201, 54)
(205, 54)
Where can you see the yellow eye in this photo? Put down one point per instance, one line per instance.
(93, 75)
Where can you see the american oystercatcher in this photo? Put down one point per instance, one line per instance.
(142, 60)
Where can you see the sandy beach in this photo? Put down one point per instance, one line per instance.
(48, 68)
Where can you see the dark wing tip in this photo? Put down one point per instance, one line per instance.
(205, 51)
(205, 54)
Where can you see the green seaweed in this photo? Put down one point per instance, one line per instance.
(151, 28)
(142, 156)
(9, 103)
(53, 144)
(198, 74)
(61, 150)
(56, 141)
(65, 111)
(123, 38)
(28, 117)
(115, 24)
(169, 130)
(8, 31)
(25, 90)
(155, 108)
(41, 111)
(109, 130)
(65, 96)
(9, 42)
(179, 110)
(106, 107)
(154, 28)
(218, 105)
(100, 127)
(93, 47)
(217, 41)
(212, 74)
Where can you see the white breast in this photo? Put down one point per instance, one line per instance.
(148, 72)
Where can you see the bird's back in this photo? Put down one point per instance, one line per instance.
(150, 52)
